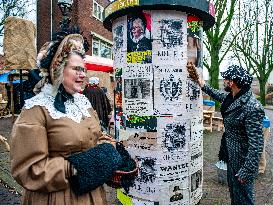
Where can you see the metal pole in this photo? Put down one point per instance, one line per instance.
(21, 89)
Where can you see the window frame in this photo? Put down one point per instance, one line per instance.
(104, 43)
(99, 11)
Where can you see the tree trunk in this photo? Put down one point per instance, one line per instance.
(214, 69)
(214, 72)
(262, 91)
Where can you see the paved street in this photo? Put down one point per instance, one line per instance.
(214, 193)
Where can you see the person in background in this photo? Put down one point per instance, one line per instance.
(58, 152)
(99, 100)
(243, 120)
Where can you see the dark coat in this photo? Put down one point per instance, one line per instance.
(99, 102)
(243, 121)
(144, 44)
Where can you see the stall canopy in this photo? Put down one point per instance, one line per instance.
(98, 64)
(4, 77)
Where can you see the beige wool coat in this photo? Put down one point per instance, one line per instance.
(39, 147)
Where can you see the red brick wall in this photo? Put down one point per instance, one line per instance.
(43, 22)
(81, 16)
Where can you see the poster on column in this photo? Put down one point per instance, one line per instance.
(139, 44)
(196, 161)
(196, 187)
(194, 41)
(146, 185)
(196, 128)
(119, 41)
(169, 37)
(142, 142)
(137, 95)
(173, 133)
(141, 202)
(168, 89)
(175, 191)
(192, 97)
(196, 147)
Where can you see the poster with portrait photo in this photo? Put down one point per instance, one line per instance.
(137, 96)
(139, 44)
(175, 191)
(194, 41)
(168, 89)
(169, 37)
(196, 187)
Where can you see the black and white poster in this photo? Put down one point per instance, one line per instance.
(137, 92)
(168, 89)
(196, 187)
(175, 156)
(196, 128)
(137, 96)
(146, 185)
(196, 147)
(141, 142)
(196, 162)
(119, 42)
(169, 37)
(175, 191)
(174, 134)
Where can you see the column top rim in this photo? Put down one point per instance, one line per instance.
(203, 9)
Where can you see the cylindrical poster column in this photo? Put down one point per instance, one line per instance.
(158, 109)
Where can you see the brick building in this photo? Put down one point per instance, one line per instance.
(86, 14)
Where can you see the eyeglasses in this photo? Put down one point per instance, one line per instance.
(79, 69)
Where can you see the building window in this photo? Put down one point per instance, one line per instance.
(101, 48)
(97, 10)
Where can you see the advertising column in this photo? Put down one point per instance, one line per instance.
(158, 109)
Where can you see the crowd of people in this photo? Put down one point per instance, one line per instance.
(60, 154)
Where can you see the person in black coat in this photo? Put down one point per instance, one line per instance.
(99, 100)
(243, 120)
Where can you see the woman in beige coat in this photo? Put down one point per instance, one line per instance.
(54, 124)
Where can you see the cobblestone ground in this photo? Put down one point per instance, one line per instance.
(214, 193)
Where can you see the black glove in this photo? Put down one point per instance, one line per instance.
(128, 164)
(94, 167)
